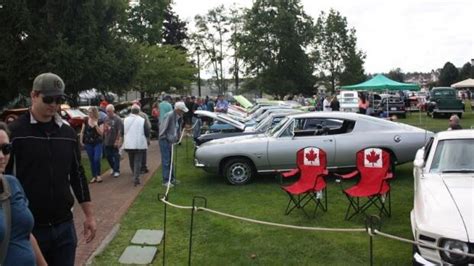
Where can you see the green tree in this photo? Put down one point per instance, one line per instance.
(211, 35)
(145, 21)
(163, 67)
(466, 71)
(78, 40)
(272, 45)
(396, 74)
(174, 29)
(336, 50)
(449, 75)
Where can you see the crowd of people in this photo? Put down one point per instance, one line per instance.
(41, 170)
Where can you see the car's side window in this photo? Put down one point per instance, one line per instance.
(289, 131)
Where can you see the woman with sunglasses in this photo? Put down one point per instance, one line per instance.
(91, 139)
(22, 248)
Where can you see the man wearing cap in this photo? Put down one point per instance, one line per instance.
(47, 161)
(167, 137)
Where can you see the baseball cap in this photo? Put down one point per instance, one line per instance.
(49, 84)
(181, 106)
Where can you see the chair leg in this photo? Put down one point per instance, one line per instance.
(354, 205)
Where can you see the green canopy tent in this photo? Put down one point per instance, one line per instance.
(382, 83)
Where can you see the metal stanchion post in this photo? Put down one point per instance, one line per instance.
(164, 226)
(192, 225)
(371, 223)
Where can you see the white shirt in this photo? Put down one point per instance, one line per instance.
(327, 106)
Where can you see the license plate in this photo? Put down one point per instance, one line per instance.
(393, 108)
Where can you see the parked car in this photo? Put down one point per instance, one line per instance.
(443, 100)
(240, 158)
(443, 206)
(263, 126)
(391, 105)
(349, 101)
(74, 116)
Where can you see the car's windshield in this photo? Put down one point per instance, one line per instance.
(453, 156)
(278, 126)
(262, 124)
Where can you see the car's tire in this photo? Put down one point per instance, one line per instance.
(238, 171)
(460, 115)
(434, 115)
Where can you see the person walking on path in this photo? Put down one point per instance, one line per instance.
(91, 139)
(113, 133)
(46, 160)
(327, 104)
(16, 224)
(136, 140)
(144, 168)
(167, 137)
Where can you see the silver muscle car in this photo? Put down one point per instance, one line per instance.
(340, 134)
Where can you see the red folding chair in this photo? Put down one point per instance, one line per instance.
(311, 186)
(373, 166)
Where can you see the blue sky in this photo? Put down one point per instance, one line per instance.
(416, 35)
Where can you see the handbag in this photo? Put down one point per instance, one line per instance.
(5, 199)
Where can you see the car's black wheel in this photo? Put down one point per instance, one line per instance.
(238, 171)
(434, 115)
(460, 115)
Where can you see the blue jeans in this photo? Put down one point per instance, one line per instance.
(113, 157)
(57, 243)
(94, 152)
(165, 149)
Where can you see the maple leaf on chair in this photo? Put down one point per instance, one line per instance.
(311, 155)
(373, 157)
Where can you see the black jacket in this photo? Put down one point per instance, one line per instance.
(47, 164)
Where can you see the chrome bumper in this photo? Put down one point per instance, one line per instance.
(418, 258)
(198, 164)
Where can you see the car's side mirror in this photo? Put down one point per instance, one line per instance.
(419, 158)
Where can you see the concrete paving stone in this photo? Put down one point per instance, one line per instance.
(138, 255)
(147, 237)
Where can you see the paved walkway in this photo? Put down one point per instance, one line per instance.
(111, 199)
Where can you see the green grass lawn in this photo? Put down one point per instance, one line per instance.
(224, 241)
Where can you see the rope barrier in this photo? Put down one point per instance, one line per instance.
(369, 230)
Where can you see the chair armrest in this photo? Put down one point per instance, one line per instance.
(349, 175)
(290, 173)
(388, 176)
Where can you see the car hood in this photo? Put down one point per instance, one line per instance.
(446, 205)
(461, 189)
(243, 101)
(221, 118)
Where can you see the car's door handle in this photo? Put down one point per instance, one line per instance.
(327, 140)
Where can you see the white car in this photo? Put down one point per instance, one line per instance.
(349, 101)
(443, 211)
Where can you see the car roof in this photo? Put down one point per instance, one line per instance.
(456, 134)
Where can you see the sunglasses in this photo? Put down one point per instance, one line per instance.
(6, 148)
(51, 99)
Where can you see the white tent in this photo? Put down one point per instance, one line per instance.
(467, 83)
